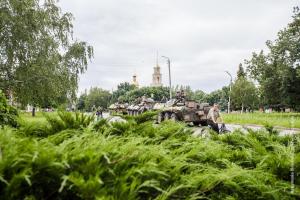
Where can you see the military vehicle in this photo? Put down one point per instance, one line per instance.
(133, 109)
(180, 109)
(119, 108)
(188, 111)
(141, 105)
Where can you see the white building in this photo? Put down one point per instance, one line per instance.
(156, 76)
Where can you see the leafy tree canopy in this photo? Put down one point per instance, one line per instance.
(96, 97)
(121, 90)
(39, 60)
(158, 93)
(244, 94)
(241, 72)
(218, 96)
(278, 71)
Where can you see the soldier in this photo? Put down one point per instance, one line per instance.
(180, 97)
(212, 117)
(182, 93)
(177, 96)
(99, 113)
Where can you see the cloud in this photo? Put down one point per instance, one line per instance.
(202, 38)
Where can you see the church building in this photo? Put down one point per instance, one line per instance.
(134, 80)
(156, 77)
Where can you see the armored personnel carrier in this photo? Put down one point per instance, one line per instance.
(180, 109)
(142, 105)
(188, 111)
(119, 108)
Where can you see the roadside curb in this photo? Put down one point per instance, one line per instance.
(262, 126)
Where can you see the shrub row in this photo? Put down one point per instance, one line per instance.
(140, 160)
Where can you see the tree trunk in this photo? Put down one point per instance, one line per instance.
(33, 111)
(242, 108)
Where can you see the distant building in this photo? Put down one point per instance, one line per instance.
(156, 76)
(134, 80)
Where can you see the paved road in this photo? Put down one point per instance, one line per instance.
(281, 130)
(105, 115)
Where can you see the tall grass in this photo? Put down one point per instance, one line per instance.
(140, 160)
(54, 123)
(288, 120)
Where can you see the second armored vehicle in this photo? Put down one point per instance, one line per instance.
(119, 108)
(142, 105)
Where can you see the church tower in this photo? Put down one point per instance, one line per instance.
(134, 80)
(156, 76)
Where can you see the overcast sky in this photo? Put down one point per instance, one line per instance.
(202, 38)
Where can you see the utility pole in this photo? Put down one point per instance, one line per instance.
(169, 67)
(229, 99)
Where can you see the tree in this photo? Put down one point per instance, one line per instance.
(97, 97)
(8, 114)
(218, 96)
(158, 93)
(278, 72)
(244, 94)
(39, 61)
(121, 90)
(82, 101)
(241, 72)
(199, 96)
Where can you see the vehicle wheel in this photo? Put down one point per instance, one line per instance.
(160, 118)
(174, 117)
(196, 123)
(167, 116)
(203, 123)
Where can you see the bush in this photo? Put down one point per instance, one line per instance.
(144, 117)
(55, 124)
(144, 161)
(8, 114)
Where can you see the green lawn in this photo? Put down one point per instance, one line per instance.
(40, 116)
(274, 119)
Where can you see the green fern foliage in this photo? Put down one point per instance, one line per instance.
(8, 114)
(70, 156)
